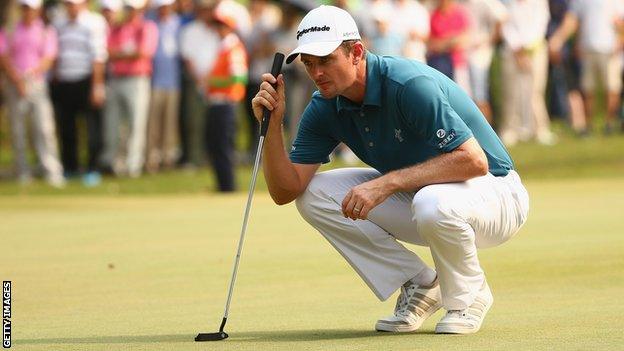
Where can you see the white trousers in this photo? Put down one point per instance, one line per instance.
(453, 220)
(36, 105)
(127, 98)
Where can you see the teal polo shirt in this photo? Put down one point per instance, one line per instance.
(410, 114)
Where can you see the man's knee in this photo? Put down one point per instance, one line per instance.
(433, 212)
(314, 200)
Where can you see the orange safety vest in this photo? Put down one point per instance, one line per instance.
(231, 62)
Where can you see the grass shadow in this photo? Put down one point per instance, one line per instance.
(111, 339)
(314, 335)
(245, 336)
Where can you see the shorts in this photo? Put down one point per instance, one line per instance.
(603, 68)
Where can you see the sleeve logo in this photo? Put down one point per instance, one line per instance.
(441, 133)
(451, 135)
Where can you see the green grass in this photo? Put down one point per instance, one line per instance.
(595, 157)
(148, 273)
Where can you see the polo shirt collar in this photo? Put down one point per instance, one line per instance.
(372, 95)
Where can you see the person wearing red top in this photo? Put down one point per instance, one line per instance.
(450, 23)
(131, 46)
(225, 88)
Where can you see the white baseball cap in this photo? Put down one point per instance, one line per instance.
(113, 5)
(322, 30)
(33, 4)
(135, 4)
(159, 3)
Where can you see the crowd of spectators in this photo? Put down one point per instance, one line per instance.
(160, 83)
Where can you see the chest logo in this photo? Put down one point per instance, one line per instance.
(441, 133)
(397, 135)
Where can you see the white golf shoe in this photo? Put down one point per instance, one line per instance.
(414, 305)
(469, 320)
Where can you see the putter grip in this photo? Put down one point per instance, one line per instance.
(278, 60)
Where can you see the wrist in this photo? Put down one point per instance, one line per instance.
(390, 183)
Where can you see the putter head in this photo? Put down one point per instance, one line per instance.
(211, 336)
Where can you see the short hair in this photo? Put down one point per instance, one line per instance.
(347, 46)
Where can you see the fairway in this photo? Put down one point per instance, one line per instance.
(148, 273)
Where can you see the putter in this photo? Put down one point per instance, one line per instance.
(264, 126)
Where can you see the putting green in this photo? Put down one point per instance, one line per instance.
(117, 273)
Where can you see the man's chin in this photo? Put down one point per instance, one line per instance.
(327, 94)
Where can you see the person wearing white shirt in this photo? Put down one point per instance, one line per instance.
(488, 17)
(525, 67)
(78, 84)
(598, 23)
(199, 45)
(411, 18)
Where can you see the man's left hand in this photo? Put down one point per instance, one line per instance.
(361, 199)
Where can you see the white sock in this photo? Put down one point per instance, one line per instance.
(425, 277)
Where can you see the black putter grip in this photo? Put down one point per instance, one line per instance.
(278, 60)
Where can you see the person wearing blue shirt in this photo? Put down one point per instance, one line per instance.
(438, 177)
(163, 123)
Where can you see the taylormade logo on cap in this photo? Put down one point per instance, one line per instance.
(312, 29)
(322, 30)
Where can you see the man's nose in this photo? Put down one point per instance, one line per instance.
(316, 73)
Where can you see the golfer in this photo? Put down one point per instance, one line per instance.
(439, 176)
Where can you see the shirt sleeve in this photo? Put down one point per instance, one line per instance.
(3, 43)
(421, 23)
(149, 39)
(185, 41)
(497, 10)
(426, 109)
(238, 62)
(314, 142)
(465, 20)
(576, 7)
(98, 40)
(50, 46)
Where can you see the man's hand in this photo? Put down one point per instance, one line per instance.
(98, 95)
(361, 199)
(20, 85)
(523, 60)
(273, 99)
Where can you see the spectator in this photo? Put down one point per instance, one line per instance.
(260, 48)
(78, 85)
(412, 18)
(599, 23)
(110, 10)
(239, 14)
(385, 41)
(26, 55)
(225, 89)
(162, 136)
(186, 11)
(198, 46)
(487, 17)
(299, 87)
(446, 51)
(131, 47)
(564, 70)
(525, 64)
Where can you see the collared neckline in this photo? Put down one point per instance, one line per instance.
(372, 95)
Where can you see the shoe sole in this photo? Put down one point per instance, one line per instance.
(460, 329)
(383, 326)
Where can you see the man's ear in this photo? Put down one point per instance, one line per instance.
(358, 52)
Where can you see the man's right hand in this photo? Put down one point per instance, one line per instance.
(273, 99)
(20, 86)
